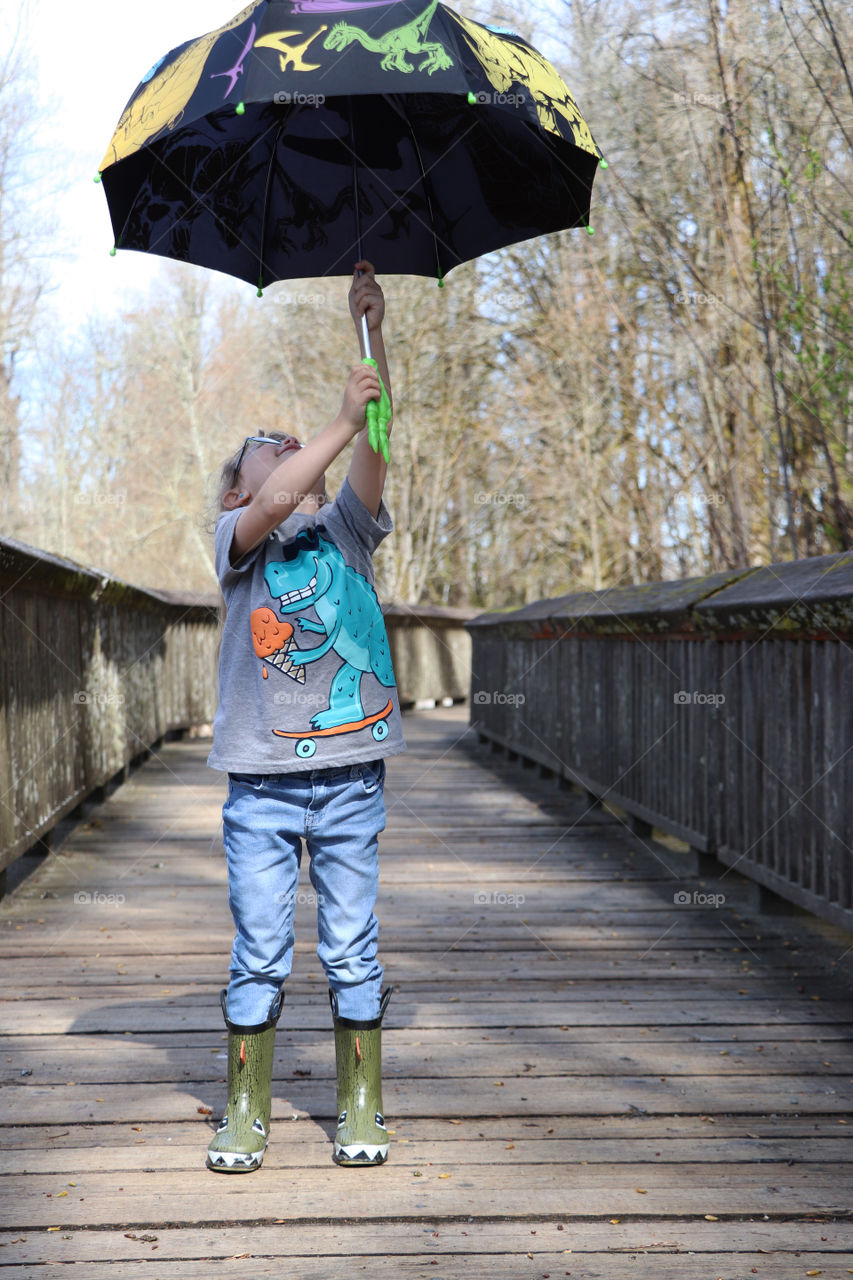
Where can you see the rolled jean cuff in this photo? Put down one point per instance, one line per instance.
(360, 1003)
(249, 1003)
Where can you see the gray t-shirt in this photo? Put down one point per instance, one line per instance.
(305, 675)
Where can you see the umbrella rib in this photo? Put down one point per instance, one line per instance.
(398, 107)
(354, 178)
(266, 204)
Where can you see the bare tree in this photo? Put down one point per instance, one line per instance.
(21, 277)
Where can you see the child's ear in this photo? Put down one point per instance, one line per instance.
(233, 498)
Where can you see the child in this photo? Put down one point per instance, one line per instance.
(308, 711)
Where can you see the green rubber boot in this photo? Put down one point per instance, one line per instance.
(239, 1143)
(361, 1136)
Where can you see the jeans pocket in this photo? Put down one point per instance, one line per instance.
(373, 776)
(247, 781)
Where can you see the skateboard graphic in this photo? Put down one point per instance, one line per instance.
(306, 746)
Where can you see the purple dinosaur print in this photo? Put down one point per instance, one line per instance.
(335, 6)
(237, 70)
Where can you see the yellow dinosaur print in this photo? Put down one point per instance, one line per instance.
(160, 103)
(290, 52)
(507, 63)
(394, 45)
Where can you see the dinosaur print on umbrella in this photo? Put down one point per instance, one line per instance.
(335, 6)
(290, 53)
(508, 63)
(160, 99)
(234, 73)
(394, 45)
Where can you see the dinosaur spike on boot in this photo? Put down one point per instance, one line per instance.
(361, 1137)
(239, 1143)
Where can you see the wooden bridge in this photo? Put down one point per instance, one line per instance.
(594, 1067)
(609, 1054)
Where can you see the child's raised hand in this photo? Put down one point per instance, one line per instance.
(366, 297)
(362, 385)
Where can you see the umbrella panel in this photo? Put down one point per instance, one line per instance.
(270, 194)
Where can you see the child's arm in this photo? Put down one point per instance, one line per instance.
(286, 486)
(367, 468)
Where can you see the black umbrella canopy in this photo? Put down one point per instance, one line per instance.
(302, 135)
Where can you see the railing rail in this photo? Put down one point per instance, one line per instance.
(717, 709)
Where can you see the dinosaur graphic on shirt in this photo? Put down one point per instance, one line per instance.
(314, 573)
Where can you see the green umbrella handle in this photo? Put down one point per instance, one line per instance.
(378, 415)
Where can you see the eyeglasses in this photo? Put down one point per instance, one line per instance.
(277, 437)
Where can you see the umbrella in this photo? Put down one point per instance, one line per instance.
(304, 131)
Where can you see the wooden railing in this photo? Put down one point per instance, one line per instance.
(717, 709)
(430, 652)
(94, 672)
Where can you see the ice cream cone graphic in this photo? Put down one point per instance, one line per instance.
(273, 640)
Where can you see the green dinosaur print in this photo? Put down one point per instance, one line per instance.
(394, 45)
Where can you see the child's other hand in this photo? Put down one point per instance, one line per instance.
(366, 297)
(362, 385)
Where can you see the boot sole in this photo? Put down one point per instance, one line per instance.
(235, 1161)
(360, 1155)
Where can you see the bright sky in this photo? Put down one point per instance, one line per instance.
(89, 58)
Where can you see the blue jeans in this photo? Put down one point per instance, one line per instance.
(339, 812)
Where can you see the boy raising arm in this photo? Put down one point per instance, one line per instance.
(278, 478)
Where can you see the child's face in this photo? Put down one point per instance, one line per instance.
(260, 460)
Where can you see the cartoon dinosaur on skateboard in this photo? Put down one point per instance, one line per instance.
(314, 573)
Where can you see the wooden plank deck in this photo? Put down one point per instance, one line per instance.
(583, 1077)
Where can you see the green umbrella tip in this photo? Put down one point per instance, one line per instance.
(472, 98)
(240, 108)
(590, 231)
(113, 252)
(260, 292)
(97, 177)
(602, 164)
